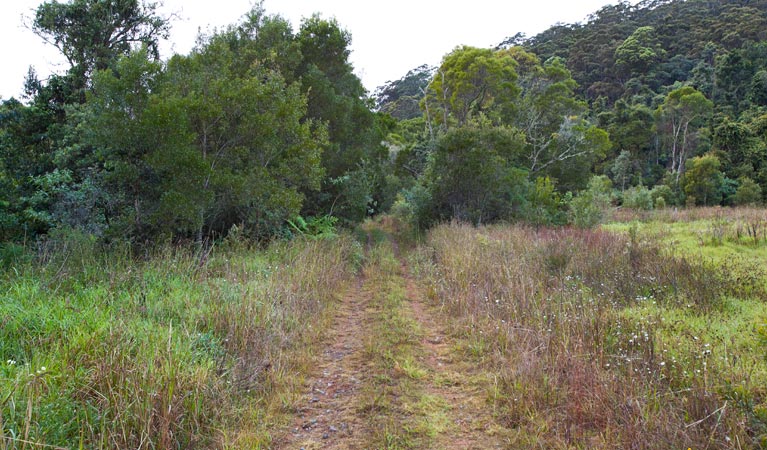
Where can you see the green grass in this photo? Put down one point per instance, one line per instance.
(733, 330)
(101, 350)
(711, 233)
(617, 338)
(696, 239)
(401, 413)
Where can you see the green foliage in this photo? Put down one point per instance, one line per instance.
(748, 193)
(630, 60)
(260, 123)
(588, 209)
(682, 113)
(219, 147)
(355, 162)
(93, 34)
(758, 92)
(622, 169)
(638, 197)
(545, 205)
(315, 227)
(401, 98)
(664, 192)
(470, 83)
(703, 181)
(561, 142)
(13, 256)
(472, 176)
(639, 51)
(413, 206)
(255, 126)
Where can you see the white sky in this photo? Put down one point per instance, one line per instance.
(388, 37)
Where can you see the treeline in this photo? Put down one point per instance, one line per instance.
(662, 103)
(257, 125)
(679, 87)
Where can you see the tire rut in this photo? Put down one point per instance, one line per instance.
(458, 384)
(327, 417)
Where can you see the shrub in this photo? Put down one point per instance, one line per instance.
(703, 181)
(638, 197)
(12, 255)
(322, 227)
(413, 206)
(748, 193)
(665, 192)
(473, 177)
(588, 209)
(546, 206)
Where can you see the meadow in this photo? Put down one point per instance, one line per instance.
(173, 349)
(650, 332)
(647, 332)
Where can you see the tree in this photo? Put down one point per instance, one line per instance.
(622, 169)
(250, 136)
(590, 206)
(748, 193)
(193, 150)
(265, 41)
(630, 127)
(639, 51)
(401, 98)
(559, 138)
(546, 206)
(742, 154)
(683, 111)
(758, 93)
(470, 82)
(354, 158)
(472, 176)
(703, 181)
(92, 34)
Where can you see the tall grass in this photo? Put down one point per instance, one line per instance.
(599, 340)
(178, 350)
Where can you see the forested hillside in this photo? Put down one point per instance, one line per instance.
(679, 87)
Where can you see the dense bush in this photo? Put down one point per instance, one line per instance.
(638, 197)
(664, 192)
(589, 207)
(545, 205)
(748, 193)
(703, 182)
(472, 176)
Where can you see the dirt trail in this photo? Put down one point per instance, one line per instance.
(471, 425)
(327, 417)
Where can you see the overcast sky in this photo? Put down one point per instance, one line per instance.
(388, 38)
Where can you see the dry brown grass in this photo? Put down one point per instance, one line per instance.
(547, 312)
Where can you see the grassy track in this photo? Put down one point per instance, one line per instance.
(646, 334)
